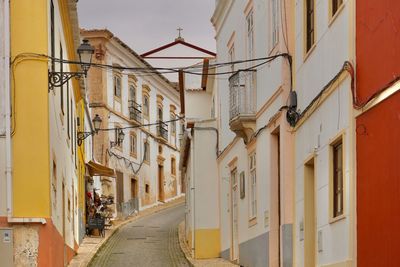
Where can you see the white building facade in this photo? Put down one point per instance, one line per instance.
(324, 160)
(255, 166)
(146, 161)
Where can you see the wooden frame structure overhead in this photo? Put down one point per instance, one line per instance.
(176, 42)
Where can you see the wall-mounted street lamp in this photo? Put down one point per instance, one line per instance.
(120, 138)
(83, 135)
(85, 52)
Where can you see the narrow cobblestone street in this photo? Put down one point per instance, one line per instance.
(151, 241)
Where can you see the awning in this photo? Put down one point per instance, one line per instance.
(96, 169)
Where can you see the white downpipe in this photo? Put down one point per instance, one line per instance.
(9, 180)
(7, 106)
(192, 191)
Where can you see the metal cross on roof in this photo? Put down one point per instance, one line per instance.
(179, 30)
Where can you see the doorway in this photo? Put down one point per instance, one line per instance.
(275, 249)
(234, 219)
(134, 188)
(309, 214)
(161, 183)
(120, 187)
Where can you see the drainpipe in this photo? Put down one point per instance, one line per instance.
(7, 88)
(7, 106)
(192, 188)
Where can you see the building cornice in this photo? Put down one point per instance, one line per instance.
(219, 15)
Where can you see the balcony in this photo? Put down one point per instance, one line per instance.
(135, 112)
(162, 130)
(242, 104)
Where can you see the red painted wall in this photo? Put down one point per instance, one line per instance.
(378, 134)
(378, 185)
(377, 44)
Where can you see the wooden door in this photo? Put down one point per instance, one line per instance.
(120, 187)
(160, 183)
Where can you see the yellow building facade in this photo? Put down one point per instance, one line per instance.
(47, 170)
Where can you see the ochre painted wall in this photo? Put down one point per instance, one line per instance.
(31, 184)
(378, 185)
(377, 44)
(207, 243)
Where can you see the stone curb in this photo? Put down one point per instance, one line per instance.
(150, 211)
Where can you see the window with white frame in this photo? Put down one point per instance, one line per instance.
(117, 86)
(250, 35)
(275, 20)
(133, 144)
(232, 56)
(337, 174)
(173, 123)
(253, 186)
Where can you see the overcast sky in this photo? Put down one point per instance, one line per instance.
(147, 24)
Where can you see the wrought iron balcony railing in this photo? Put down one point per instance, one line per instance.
(135, 112)
(242, 94)
(162, 130)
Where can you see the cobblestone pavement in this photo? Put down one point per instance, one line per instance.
(151, 241)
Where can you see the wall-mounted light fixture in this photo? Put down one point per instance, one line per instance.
(83, 135)
(120, 138)
(85, 52)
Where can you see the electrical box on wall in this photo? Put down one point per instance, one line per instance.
(6, 247)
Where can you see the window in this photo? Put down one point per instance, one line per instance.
(250, 36)
(275, 19)
(146, 106)
(173, 124)
(250, 47)
(160, 114)
(310, 34)
(132, 93)
(232, 57)
(253, 186)
(133, 144)
(147, 188)
(337, 150)
(336, 4)
(146, 151)
(117, 86)
(116, 137)
(173, 166)
(242, 186)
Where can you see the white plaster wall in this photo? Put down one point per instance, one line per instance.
(148, 172)
(206, 177)
(60, 148)
(198, 104)
(333, 47)
(270, 78)
(332, 118)
(331, 50)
